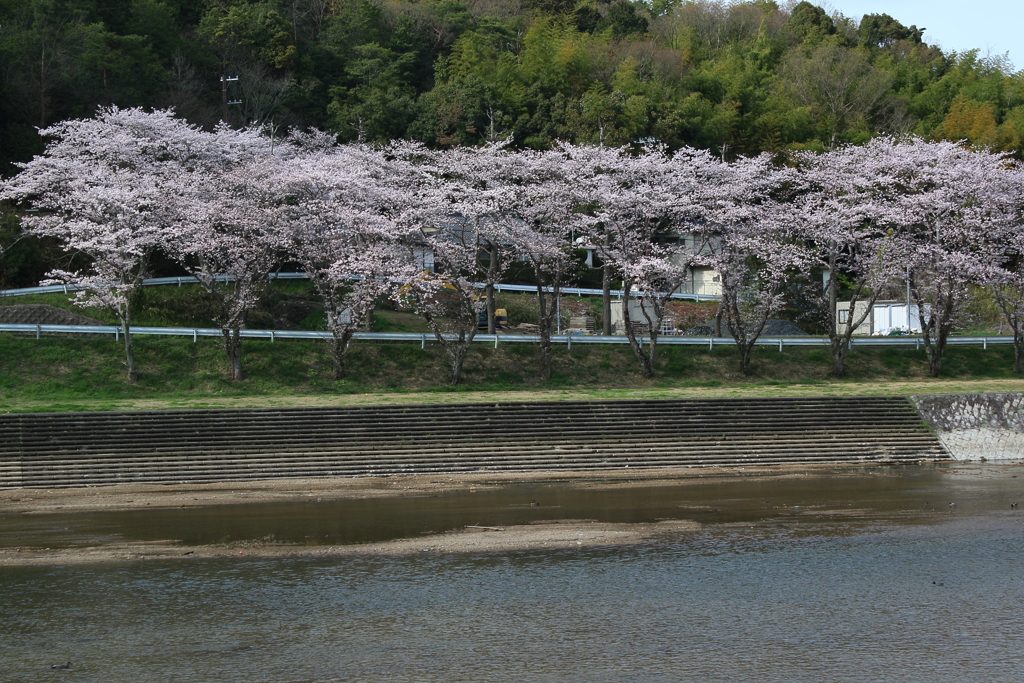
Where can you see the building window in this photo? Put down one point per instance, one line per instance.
(844, 317)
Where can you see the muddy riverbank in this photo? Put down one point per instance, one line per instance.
(476, 512)
(43, 503)
(567, 534)
(138, 496)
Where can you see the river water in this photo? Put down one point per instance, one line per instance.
(865, 577)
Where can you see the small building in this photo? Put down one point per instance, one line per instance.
(699, 280)
(639, 321)
(886, 317)
(704, 281)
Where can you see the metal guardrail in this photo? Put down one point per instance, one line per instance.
(148, 282)
(189, 280)
(424, 338)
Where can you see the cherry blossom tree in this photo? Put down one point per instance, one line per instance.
(951, 210)
(334, 226)
(112, 217)
(485, 187)
(424, 208)
(643, 206)
(231, 205)
(448, 301)
(541, 207)
(835, 207)
(105, 188)
(226, 238)
(753, 250)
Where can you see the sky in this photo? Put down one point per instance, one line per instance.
(992, 26)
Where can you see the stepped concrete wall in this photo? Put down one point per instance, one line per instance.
(976, 426)
(192, 446)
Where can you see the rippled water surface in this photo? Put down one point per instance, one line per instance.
(872, 578)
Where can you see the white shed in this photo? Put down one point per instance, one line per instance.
(885, 317)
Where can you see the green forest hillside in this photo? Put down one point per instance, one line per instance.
(734, 77)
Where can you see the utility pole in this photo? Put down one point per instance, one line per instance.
(224, 102)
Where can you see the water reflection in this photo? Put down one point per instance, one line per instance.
(918, 592)
(722, 604)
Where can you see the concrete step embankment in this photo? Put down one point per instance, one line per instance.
(77, 449)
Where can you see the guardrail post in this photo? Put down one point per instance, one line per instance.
(195, 335)
(495, 340)
(271, 336)
(711, 343)
(117, 333)
(917, 344)
(780, 345)
(423, 341)
(38, 330)
(984, 343)
(568, 341)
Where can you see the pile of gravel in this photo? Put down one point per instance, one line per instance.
(782, 328)
(700, 331)
(42, 314)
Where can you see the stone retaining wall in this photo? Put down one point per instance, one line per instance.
(976, 426)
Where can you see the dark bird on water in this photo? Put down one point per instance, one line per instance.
(61, 666)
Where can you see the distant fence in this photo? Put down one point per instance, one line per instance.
(189, 280)
(493, 339)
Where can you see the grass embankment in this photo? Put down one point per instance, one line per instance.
(83, 373)
(87, 373)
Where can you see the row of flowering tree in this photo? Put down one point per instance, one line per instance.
(427, 227)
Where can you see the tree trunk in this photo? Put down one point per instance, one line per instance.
(457, 357)
(941, 317)
(548, 311)
(840, 348)
(492, 274)
(936, 330)
(935, 350)
(934, 343)
(233, 346)
(129, 352)
(652, 350)
(489, 290)
(546, 356)
(839, 338)
(745, 338)
(124, 316)
(1018, 350)
(455, 349)
(746, 356)
(550, 277)
(646, 365)
(606, 299)
(339, 349)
